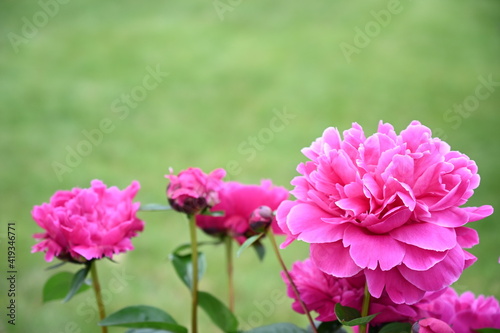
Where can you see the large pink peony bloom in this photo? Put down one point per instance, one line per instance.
(465, 313)
(90, 223)
(238, 202)
(320, 292)
(192, 191)
(388, 206)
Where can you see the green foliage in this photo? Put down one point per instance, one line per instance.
(77, 281)
(351, 317)
(58, 286)
(396, 328)
(218, 312)
(184, 267)
(142, 316)
(278, 328)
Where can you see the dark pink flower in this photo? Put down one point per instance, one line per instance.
(90, 223)
(238, 202)
(465, 313)
(320, 292)
(388, 206)
(431, 325)
(192, 191)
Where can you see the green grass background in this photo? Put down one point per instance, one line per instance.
(225, 79)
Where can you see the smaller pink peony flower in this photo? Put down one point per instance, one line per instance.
(192, 191)
(320, 292)
(239, 202)
(431, 325)
(465, 313)
(86, 224)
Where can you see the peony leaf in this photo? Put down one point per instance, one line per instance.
(396, 328)
(217, 213)
(218, 312)
(488, 330)
(184, 267)
(278, 328)
(248, 243)
(329, 327)
(77, 281)
(57, 286)
(350, 316)
(143, 316)
(154, 207)
(260, 250)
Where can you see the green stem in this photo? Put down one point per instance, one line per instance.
(98, 295)
(229, 261)
(194, 260)
(364, 310)
(294, 287)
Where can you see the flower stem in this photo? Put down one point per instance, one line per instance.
(229, 261)
(294, 287)
(364, 310)
(194, 261)
(98, 295)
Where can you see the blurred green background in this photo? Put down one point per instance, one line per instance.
(68, 68)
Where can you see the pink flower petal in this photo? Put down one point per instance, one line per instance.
(334, 259)
(426, 236)
(372, 251)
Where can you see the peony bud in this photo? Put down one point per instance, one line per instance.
(261, 219)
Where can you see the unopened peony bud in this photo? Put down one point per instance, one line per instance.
(261, 219)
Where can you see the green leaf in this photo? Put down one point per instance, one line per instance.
(56, 265)
(77, 281)
(154, 207)
(329, 327)
(217, 213)
(57, 286)
(396, 328)
(260, 249)
(184, 267)
(218, 312)
(143, 316)
(488, 330)
(278, 328)
(350, 316)
(248, 243)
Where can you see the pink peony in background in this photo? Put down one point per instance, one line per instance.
(320, 292)
(192, 191)
(464, 313)
(387, 206)
(86, 224)
(238, 202)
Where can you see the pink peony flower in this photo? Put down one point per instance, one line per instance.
(239, 201)
(320, 292)
(464, 313)
(86, 224)
(431, 325)
(388, 206)
(192, 190)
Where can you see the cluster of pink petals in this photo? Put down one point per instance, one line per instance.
(320, 292)
(238, 202)
(464, 313)
(192, 191)
(86, 224)
(387, 206)
(431, 325)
